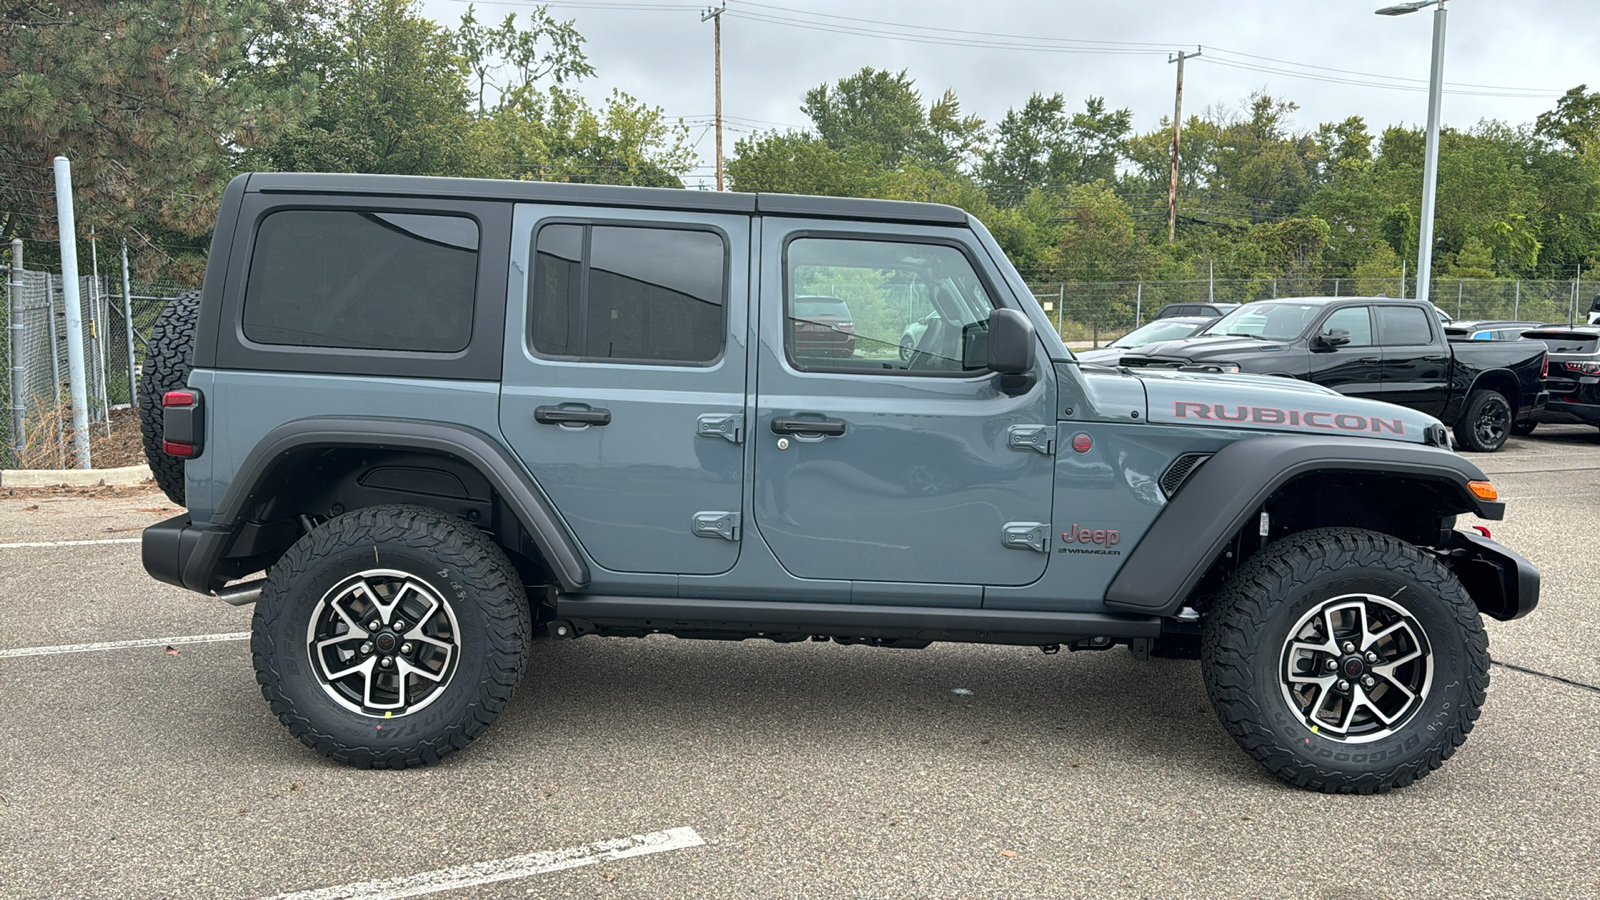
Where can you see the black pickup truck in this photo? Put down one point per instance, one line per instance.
(1378, 348)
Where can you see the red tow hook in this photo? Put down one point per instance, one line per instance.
(1483, 531)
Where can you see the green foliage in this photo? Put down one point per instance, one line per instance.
(152, 100)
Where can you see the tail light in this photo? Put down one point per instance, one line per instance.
(182, 424)
(1585, 368)
(1544, 370)
(846, 326)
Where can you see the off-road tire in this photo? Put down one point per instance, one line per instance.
(1245, 651)
(1485, 422)
(1523, 429)
(444, 553)
(166, 368)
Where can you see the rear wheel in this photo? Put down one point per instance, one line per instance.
(1485, 422)
(1345, 661)
(390, 636)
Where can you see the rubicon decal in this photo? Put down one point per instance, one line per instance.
(1298, 418)
(1106, 538)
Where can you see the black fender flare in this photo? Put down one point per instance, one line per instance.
(504, 473)
(1220, 497)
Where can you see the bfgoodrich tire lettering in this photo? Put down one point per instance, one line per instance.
(425, 591)
(1250, 650)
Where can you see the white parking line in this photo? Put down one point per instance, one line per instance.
(122, 645)
(69, 543)
(474, 874)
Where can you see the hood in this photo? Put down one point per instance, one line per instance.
(1106, 356)
(1198, 349)
(1267, 403)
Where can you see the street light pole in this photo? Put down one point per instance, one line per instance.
(1430, 164)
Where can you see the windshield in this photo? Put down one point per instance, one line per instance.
(1159, 330)
(1272, 321)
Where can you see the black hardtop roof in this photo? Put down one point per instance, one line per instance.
(606, 195)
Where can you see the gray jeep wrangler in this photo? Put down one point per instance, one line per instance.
(445, 416)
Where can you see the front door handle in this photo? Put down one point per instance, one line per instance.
(571, 415)
(1370, 359)
(796, 425)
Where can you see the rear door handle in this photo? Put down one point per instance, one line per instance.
(1370, 359)
(796, 425)
(571, 415)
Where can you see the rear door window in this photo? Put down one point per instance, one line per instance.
(652, 295)
(1403, 326)
(363, 280)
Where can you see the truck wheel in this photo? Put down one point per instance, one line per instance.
(1523, 429)
(166, 368)
(390, 636)
(1345, 661)
(1485, 423)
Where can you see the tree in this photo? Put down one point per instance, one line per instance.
(150, 99)
(1039, 146)
(1575, 122)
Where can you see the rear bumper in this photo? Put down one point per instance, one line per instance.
(177, 552)
(1501, 583)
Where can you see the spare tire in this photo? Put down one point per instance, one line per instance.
(166, 368)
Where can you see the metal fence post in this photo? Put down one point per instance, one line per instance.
(19, 364)
(1458, 297)
(1516, 305)
(1336, 287)
(1274, 287)
(1138, 305)
(127, 321)
(1061, 300)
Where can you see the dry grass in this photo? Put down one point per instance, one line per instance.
(49, 436)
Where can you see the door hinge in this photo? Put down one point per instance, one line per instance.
(1027, 536)
(723, 525)
(1040, 438)
(728, 427)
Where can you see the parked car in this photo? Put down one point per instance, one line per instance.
(1573, 377)
(445, 416)
(1168, 329)
(1195, 309)
(1594, 310)
(823, 328)
(1488, 330)
(1374, 347)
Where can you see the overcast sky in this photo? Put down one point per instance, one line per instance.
(1508, 59)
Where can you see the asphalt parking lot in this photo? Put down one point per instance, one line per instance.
(761, 770)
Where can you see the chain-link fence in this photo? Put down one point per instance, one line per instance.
(35, 350)
(1101, 311)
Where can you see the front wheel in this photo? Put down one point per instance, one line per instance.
(1345, 661)
(1485, 422)
(390, 636)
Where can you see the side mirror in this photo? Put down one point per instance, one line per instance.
(1333, 337)
(1011, 343)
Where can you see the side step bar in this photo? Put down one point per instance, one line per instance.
(589, 614)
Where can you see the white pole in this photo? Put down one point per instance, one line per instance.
(69, 297)
(1138, 306)
(1402, 294)
(1430, 165)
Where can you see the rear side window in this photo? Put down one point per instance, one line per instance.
(363, 280)
(655, 295)
(1403, 325)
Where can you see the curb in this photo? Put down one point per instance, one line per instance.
(75, 477)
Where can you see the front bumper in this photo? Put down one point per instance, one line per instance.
(1501, 583)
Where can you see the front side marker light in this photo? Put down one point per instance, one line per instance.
(1483, 490)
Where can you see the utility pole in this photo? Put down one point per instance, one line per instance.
(715, 15)
(1177, 127)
